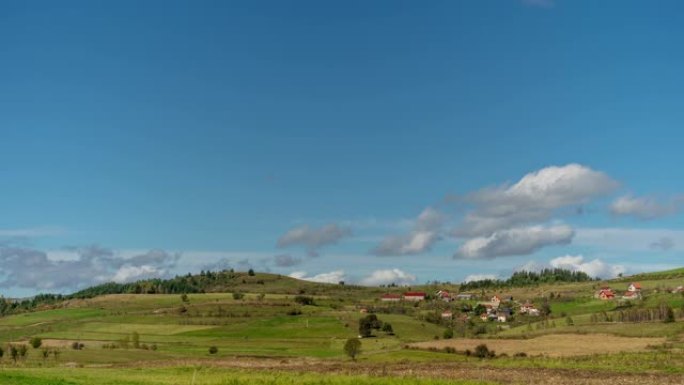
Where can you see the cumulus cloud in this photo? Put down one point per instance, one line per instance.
(426, 231)
(286, 260)
(645, 208)
(330, 277)
(387, 277)
(29, 268)
(663, 244)
(534, 198)
(480, 277)
(313, 238)
(594, 268)
(516, 241)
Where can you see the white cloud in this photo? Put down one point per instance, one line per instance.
(480, 277)
(516, 241)
(594, 268)
(129, 273)
(387, 277)
(533, 198)
(29, 268)
(313, 238)
(426, 231)
(644, 207)
(331, 277)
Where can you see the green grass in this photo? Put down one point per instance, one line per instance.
(200, 376)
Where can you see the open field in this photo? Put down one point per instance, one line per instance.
(552, 345)
(141, 339)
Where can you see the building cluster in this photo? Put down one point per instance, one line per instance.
(633, 292)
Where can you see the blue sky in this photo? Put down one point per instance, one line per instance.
(152, 138)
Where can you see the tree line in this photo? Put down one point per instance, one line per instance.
(529, 278)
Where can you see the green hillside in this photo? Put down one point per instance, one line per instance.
(265, 316)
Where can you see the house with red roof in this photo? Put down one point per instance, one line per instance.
(634, 286)
(444, 296)
(414, 296)
(632, 295)
(605, 294)
(389, 297)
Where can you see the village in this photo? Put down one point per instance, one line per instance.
(498, 308)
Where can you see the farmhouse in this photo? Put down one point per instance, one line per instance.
(444, 296)
(390, 297)
(414, 296)
(529, 309)
(495, 300)
(605, 293)
(447, 314)
(634, 287)
(632, 295)
(503, 314)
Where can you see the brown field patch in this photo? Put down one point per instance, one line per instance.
(552, 345)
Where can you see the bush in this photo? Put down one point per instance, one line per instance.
(251, 273)
(237, 296)
(448, 334)
(294, 312)
(352, 348)
(213, 350)
(482, 351)
(78, 346)
(304, 300)
(520, 354)
(35, 342)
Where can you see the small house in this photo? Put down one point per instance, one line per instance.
(605, 293)
(444, 296)
(632, 295)
(634, 287)
(414, 296)
(390, 297)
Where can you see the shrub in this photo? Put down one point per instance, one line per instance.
(80, 346)
(520, 354)
(482, 351)
(352, 348)
(213, 350)
(35, 342)
(448, 334)
(304, 300)
(251, 273)
(237, 296)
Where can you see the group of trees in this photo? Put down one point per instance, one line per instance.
(529, 278)
(199, 283)
(371, 322)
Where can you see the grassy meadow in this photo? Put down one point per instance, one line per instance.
(166, 338)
